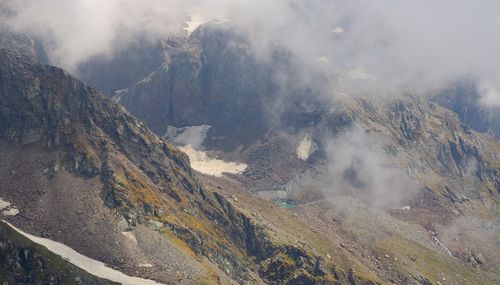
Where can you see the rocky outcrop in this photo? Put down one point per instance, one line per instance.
(22, 44)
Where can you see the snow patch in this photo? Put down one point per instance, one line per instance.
(7, 209)
(304, 148)
(146, 265)
(92, 266)
(201, 162)
(190, 141)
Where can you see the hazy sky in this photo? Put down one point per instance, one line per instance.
(372, 44)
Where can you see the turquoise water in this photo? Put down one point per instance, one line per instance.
(287, 204)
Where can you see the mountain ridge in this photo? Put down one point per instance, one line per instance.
(139, 177)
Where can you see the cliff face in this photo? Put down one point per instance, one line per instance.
(80, 144)
(198, 84)
(210, 78)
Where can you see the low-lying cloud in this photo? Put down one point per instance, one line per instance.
(490, 93)
(413, 44)
(355, 161)
(74, 31)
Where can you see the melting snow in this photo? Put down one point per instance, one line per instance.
(7, 209)
(146, 265)
(201, 162)
(190, 140)
(304, 148)
(92, 266)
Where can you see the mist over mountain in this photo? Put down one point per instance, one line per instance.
(250, 142)
(403, 45)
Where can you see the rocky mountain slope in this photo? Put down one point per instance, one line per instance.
(96, 179)
(212, 78)
(439, 177)
(414, 203)
(209, 78)
(23, 262)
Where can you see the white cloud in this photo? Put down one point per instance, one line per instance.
(490, 94)
(408, 44)
(355, 159)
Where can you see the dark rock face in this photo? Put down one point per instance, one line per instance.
(22, 262)
(209, 79)
(23, 44)
(43, 103)
(463, 98)
(136, 62)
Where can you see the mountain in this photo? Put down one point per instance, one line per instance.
(421, 180)
(360, 189)
(209, 78)
(83, 172)
(212, 78)
(23, 262)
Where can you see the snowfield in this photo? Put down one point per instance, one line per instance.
(201, 162)
(90, 265)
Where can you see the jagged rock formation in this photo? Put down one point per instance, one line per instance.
(192, 87)
(81, 150)
(209, 78)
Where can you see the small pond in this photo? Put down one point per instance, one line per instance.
(285, 203)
